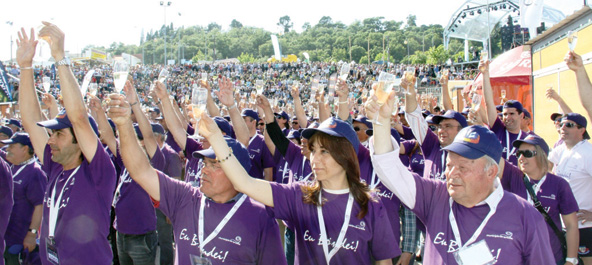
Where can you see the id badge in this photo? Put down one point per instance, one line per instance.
(196, 260)
(475, 254)
(52, 251)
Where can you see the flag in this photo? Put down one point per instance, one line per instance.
(5, 86)
(276, 47)
(531, 14)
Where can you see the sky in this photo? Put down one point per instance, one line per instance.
(103, 22)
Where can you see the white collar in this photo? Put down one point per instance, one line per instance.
(343, 191)
(495, 197)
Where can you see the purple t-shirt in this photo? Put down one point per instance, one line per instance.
(391, 202)
(500, 131)
(300, 169)
(193, 165)
(173, 166)
(415, 160)
(407, 134)
(366, 239)
(170, 140)
(84, 216)
(29, 187)
(281, 171)
(134, 212)
(555, 196)
(260, 156)
(6, 201)
(435, 157)
(251, 236)
(512, 234)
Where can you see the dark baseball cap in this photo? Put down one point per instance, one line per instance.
(6, 130)
(15, 122)
(526, 114)
(224, 126)
(514, 104)
(155, 109)
(534, 140)
(283, 114)
(19, 137)
(294, 134)
(363, 119)
(62, 121)
(335, 127)
(250, 113)
(476, 141)
(451, 114)
(554, 116)
(157, 128)
(238, 150)
(579, 120)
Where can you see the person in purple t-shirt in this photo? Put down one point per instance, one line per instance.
(29, 187)
(469, 219)
(553, 193)
(509, 130)
(81, 176)
(261, 158)
(322, 235)
(6, 201)
(213, 224)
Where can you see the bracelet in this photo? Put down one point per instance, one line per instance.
(26, 68)
(158, 102)
(225, 159)
(131, 105)
(343, 102)
(231, 107)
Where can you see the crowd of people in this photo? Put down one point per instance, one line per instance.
(292, 175)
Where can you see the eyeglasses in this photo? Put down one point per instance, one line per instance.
(212, 165)
(568, 124)
(526, 153)
(261, 124)
(294, 122)
(357, 129)
(279, 117)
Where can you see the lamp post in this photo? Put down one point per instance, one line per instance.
(165, 5)
(407, 43)
(10, 24)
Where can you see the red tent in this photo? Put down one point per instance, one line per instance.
(512, 72)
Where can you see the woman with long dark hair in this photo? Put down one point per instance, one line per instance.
(336, 219)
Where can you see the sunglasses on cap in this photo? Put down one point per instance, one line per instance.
(525, 153)
(260, 124)
(294, 122)
(568, 124)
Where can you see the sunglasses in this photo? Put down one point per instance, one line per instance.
(568, 124)
(357, 129)
(279, 117)
(525, 153)
(261, 124)
(433, 127)
(294, 122)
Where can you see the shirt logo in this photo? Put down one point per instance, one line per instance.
(507, 235)
(20, 181)
(472, 137)
(361, 226)
(237, 240)
(550, 197)
(256, 150)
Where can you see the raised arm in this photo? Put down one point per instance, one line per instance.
(173, 123)
(145, 127)
(552, 94)
(27, 95)
(269, 118)
(446, 101)
(105, 130)
(210, 104)
(324, 112)
(298, 109)
(138, 166)
(226, 97)
(52, 105)
(72, 97)
(342, 92)
(488, 93)
(575, 63)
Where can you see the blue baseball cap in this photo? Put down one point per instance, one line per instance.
(425, 112)
(499, 108)
(476, 141)
(157, 128)
(363, 119)
(224, 126)
(6, 130)
(62, 121)
(283, 114)
(238, 150)
(430, 119)
(155, 109)
(578, 119)
(335, 127)
(526, 114)
(466, 111)
(534, 140)
(514, 104)
(451, 114)
(250, 113)
(294, 134)
(15, 122)
(21, 138)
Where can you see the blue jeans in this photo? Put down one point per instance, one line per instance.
(137, 249)
(289, 245)
(165, 239)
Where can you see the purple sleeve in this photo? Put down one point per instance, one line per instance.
(567, 201)
(537, 249)
(174, 166)
(174, 195)
(36, 187)
(382, 246)
(191, 145)
(102, 168)
(407, 133)
(266, 157)
(285, 198)
(293, 154)
(498, 126)
(6, 200)
(269, 247)
(430, 193)
(430, 144)
(409, 145)
(157, 161)
(190, 130)
(512, 179)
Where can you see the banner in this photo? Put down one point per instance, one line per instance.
(98, 55)
(531, 14)
(276, 47)
(5, 87)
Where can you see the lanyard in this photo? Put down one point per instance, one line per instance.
(286, 171)
(305, 179)
(374, 181)
(324, 239)
(54, 205)
(443, 168)
(123, 179)
(30, 161)
(221, 225)
(454, 225)
(508, 144)
(536, 188)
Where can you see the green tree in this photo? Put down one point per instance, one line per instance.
(285, 23)
(246, 58)
(437, 55)
(235, 24)
(411, 21)
(357, 53)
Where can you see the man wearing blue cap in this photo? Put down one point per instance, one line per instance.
(469, 219)
(213, 224)
(29, 187)
(431, 144)
(261, 159)
(5, 134)
(361, 124)
(15, 125)
(81, 175)
(509, 130)
(572, 162)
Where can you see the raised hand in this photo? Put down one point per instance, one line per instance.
(574, 61)
(130, 92)
(551, 94)
(119, 109)
(226, 93)
(94, 104)
(26, 48)
(295, 92)
(342, 89)
(56, 39)
(207, 126)
(49, 100)
(484, 66)
(160, 90)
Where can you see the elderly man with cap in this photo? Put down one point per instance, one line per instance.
(572, 162)
(469, 219)
(213, 224)
(81, 175)
(510, 129)
(29, 187)
(5, 134)
(431, 143)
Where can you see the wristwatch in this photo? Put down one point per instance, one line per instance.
(64, 61)
(33, 230)
(573, 261)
